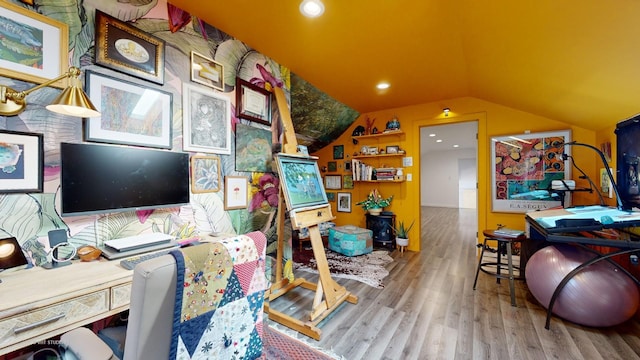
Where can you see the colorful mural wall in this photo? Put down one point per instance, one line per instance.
(30, 216)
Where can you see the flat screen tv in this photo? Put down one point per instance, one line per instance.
(106, 178)
(628, 157)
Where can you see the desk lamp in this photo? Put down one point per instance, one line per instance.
(11, 254)
(606, 167)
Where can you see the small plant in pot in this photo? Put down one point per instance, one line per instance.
(374, 203)
(402, 233)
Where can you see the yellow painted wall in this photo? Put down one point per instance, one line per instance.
(603, 136)
(493, 120)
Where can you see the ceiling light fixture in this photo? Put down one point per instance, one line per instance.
(383, 86)
(72, 101)
(311, 8)
(446, 111)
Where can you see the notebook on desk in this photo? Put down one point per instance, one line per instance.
(508, 232)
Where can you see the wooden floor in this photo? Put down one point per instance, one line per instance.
(429, 310)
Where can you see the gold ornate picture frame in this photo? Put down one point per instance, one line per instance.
(207, 71)
(205, 174)
(41, 54)
(125, 48)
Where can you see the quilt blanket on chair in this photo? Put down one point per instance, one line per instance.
(219, 300)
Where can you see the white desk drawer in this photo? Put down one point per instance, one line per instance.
(120, 296)
(36, 322)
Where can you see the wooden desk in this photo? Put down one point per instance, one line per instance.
(36, 304)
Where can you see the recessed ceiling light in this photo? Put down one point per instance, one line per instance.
(383, 85)
(432, 135)
(311, 8)
(439, 140)
(456, 145)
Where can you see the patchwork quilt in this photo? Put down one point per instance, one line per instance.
(219, 299)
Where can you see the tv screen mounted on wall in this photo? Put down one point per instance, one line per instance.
(106, 178)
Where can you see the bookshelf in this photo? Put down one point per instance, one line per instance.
(378, 167)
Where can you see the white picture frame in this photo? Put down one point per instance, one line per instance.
(523, 167)
(206, 123)
(344, 202)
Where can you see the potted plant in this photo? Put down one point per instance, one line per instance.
(402, 233)
(374, 203)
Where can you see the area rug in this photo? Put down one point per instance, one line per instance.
(280, 346)
(368, 268)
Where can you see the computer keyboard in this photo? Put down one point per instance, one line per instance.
(138, 241)
(131, 262)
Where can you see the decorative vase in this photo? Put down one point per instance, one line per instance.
(402, 241)
(375, 211)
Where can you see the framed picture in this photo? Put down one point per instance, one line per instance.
(301, 181)
(253, 149)
(392, 149)
(206, 71)
(369, 150)
(347, 181)
(333, 182)
(347, 165)
(130, 114)
(206, 120)
(21, 162)
(523, 167)
(332, 166)
(338, 152)
(331, 196)
(605, 183)
(125, 48)
(205, 174)
(253, 102)
(42, 51)
(236, 192)
(344, 202)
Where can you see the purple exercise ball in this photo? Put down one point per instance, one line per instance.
(599, 295)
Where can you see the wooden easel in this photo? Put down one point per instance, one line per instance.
(326, 288)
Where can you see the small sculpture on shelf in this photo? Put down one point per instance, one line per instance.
(393, 124)
(374, 203)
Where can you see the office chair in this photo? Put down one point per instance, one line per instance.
(148, 333)
(218, 309)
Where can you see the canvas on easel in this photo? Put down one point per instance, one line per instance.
(307, 205)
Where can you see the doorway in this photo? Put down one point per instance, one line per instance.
(448, 165)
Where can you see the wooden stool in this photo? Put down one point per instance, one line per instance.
(505, 242)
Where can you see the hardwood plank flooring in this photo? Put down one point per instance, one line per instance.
(429, 310)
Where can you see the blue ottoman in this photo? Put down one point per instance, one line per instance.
(350, 240)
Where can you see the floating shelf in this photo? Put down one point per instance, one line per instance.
(378, 135)
(376, 156)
